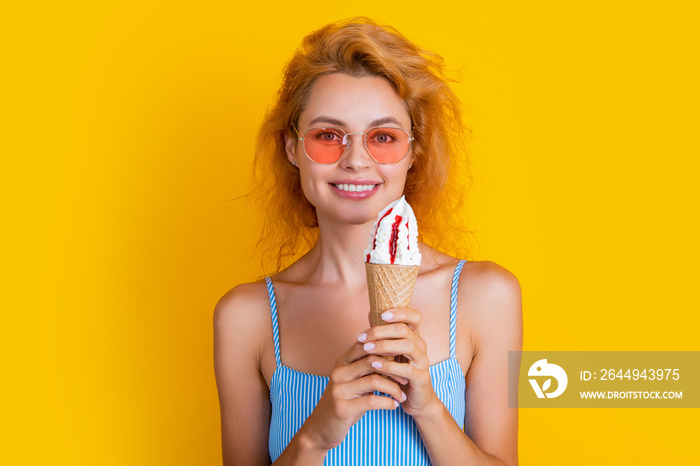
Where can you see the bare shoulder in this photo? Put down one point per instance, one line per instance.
(479, 280)
(243, 312)
(242, 302)
(488, 281)
(490, 298)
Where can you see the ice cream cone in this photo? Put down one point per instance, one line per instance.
(389, 286)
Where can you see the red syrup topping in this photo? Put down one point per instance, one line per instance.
(374, 245)
(394, 238)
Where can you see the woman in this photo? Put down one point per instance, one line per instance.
(299, 372)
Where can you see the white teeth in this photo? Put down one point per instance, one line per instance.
(355, 187)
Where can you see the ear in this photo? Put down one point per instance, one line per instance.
(410, 160)
(290, 144)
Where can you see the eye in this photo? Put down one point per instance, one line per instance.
(383, 136)
(327, 135)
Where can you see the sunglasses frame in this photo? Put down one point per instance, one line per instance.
(364, 142)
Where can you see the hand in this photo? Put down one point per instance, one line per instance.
(348, 396)
(401, 337)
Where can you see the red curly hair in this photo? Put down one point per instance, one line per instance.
(359, 47)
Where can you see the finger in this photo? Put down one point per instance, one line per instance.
(345, 373)
(355, 352)
(378, 364)
(370, 402)
(368, 385)
(411, 317)
(392, 332)
(405, 346)
(360, 368)
(400, 372)
(388, 332)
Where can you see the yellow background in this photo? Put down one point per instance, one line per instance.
(128, 129)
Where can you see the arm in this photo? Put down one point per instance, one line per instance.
(243, 393)
(491, 427)
(492, 424)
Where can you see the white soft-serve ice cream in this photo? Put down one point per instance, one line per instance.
(394, 238)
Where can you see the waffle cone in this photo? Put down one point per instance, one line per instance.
(389, 286)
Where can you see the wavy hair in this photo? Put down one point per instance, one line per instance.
(435, 185)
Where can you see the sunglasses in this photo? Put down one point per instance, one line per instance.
(328, 145)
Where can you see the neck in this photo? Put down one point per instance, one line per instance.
(338, 255)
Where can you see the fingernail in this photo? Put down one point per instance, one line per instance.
(403, 395)
(362, 337)
(377, 364)
(387, 315)
(396, 404)
(369, 346)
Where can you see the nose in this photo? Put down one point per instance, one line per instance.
(356, 157)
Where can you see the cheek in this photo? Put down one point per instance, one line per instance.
(305, 187)
(312, 182)
(396, 175)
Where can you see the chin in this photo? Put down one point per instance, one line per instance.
(357, 216)
(349, 213)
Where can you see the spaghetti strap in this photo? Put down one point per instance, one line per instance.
(275, 327)
(453, 308)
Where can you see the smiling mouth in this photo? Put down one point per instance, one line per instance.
(355, 187)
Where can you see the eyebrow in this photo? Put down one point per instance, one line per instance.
(336, 122)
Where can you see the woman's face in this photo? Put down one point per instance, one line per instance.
(354, 105)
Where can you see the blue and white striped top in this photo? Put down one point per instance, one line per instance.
(380, 437)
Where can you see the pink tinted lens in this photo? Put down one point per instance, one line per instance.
(387, 145)
(325, 145)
